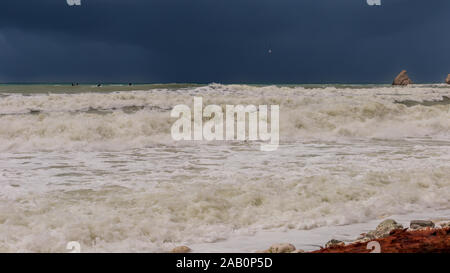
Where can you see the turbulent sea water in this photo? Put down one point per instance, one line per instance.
(99, 166)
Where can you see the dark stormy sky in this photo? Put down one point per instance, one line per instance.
(226, 41)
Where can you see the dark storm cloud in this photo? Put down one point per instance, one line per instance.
(223, 40)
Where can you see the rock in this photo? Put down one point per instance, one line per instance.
(281, 248)
(418, 224)
(263, 251)
(298, 251)
(402, 79)
(362, 239)
(181, 249)
(382, 230)
(334, 243)
(441, 223)
(385, 227)
(448, 79)
(403, 241)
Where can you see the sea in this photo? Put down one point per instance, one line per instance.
(99, 166)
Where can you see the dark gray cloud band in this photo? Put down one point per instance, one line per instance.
(311, 41)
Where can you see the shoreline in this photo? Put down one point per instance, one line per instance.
(425, 240)
(312, 240)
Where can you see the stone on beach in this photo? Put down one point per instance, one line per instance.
(281, 248)
(402, 79)
(418, 224)
(181, 249)
(298, 251)
(382, 230)
(334, 243)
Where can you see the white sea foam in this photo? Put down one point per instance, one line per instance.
(101, 168)
(123, 120)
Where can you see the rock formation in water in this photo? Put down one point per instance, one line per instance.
(448, 79)
(402, 79)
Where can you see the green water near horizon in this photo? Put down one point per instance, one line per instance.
(43, 88)
(84, 88)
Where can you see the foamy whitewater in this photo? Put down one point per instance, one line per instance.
(101, 167)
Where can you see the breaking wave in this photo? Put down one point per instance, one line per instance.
(102, 169)
(134, 119)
